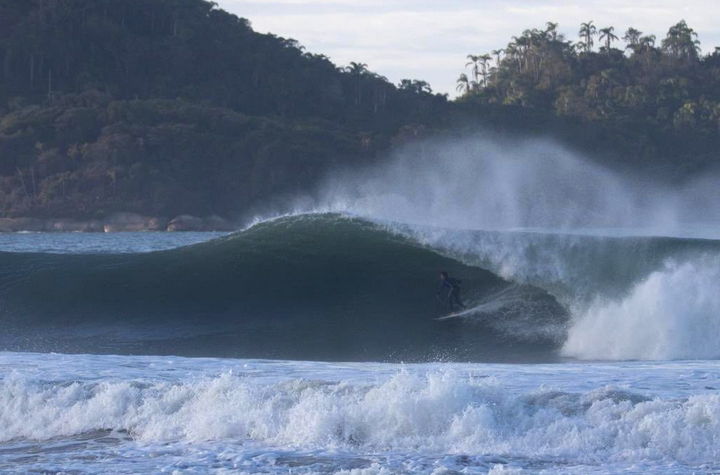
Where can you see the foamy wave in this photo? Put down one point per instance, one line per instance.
(631, 298)
(440, 412)
(673, 314)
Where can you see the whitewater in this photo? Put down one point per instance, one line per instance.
(121, 414)
(308, 341)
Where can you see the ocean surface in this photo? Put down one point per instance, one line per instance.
(310, 344)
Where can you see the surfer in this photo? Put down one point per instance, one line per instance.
(453, 295)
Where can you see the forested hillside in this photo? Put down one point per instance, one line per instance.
(654, 103)
(165, 107)
(172, 106)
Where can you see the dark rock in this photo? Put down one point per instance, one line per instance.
(15, 225)
(157, 224)
(125, 219)
(133, 222)
(73, 226)
(186, 222)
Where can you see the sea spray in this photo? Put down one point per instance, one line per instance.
(495, 183)
(534, 212)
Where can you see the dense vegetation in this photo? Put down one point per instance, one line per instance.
(171, 106)
(656, 104)
(175, 106)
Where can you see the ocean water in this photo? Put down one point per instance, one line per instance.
(309, 344)
(100, 243)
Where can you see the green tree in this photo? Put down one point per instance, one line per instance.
(551, 31)
(484, 67)
(609, 36)
(632, 38)
(176, 106)
(475, 65)
(646, 104)
(587, 32)
(498, 55)
(415, 86)
(358, 71)
(463, 84)
(681, 42)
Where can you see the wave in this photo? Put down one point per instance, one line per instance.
(631, 297)
(674, 313)
(305, 287)
(441, 412)
(335, 287)
(616, 289)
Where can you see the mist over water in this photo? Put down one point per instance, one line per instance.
(486, 183)
(535, 212)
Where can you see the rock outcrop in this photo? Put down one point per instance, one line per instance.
(185, 222)
(118, 222)
(15, 225)
(133, 222)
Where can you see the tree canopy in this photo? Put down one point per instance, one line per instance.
(175, 106)
(171, 106)
(653, 104)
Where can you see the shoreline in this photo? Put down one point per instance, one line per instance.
(118, 223)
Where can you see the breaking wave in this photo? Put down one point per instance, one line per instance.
(442, 412)
(305, 287)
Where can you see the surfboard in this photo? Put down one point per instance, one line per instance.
(490, 304)
(455, 315)
(446, 317)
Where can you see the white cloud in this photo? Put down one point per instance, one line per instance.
(429, 39)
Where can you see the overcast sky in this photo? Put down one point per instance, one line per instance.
(429, 39)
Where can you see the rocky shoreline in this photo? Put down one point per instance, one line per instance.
(118, 222)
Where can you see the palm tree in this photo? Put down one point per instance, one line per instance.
(498, 53)
(380, 86)
(587, 31)
(422, 87)
(416, 86)
(632, 37)
(551, 30)
(521, 48)
(475, 63)
(358, 71)
(484, 62)
(645, 46)
(608, 35)
(648, 41)
(681, 42)
(513, 54)
(463, 84)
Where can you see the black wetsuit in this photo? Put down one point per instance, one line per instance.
(453, 296)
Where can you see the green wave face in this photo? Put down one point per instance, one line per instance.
(307, 287)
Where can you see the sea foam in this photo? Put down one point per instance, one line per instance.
(436, 412)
